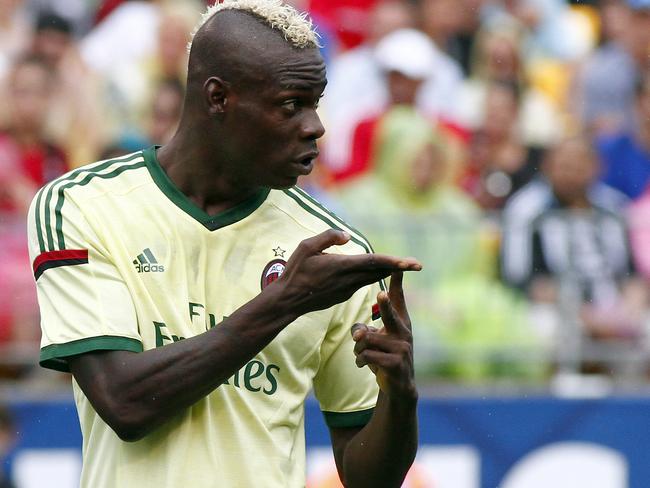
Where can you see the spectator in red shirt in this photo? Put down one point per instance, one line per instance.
(407, 58)
(27, 159)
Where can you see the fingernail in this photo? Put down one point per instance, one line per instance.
(346, 236)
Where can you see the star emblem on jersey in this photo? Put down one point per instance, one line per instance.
(272, 271)
(279, 252)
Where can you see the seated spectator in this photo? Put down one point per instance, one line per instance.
(497, 56)
(27, 161)
(499, 162)
(406, 58)
(77, 116)
(604, 88)
(26, 153)
(626, 155)
(133, 83)
(409, 205)
(162, 118)
(356, 88)
(567, 232)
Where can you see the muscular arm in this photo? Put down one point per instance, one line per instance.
(137, 392)
(380, 454)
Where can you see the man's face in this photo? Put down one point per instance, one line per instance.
(572, 167)
(29, 97)
(272, 124)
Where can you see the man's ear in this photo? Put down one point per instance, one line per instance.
(216, 93)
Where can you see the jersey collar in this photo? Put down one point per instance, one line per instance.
(211, 222)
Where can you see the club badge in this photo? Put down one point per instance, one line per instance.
(272, 272)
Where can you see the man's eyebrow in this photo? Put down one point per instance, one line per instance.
(301, 85)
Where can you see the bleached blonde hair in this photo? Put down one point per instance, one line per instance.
(297, 28)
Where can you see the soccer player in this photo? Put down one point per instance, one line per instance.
(197, 295)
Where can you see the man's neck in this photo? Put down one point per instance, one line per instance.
(197, 171)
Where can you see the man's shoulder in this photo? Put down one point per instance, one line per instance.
(95, 178)
(313, 217)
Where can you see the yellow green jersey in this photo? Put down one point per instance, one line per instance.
(124, 261)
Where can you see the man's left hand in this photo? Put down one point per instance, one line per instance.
(388, 352)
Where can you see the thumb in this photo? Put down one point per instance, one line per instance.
(322, 241)
(358, 330)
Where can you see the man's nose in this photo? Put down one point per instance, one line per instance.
(312, 127)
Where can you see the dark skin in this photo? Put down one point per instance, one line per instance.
(250, 121)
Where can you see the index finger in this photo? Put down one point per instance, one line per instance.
(373, 262)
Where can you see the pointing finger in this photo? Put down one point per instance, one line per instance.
(396, 294)
(388, 313)
(382, 262)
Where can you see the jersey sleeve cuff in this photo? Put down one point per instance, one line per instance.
(54, 356)
(348, 419)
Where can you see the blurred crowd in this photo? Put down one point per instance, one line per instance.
(505, 143)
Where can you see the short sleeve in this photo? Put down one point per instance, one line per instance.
(84, 303)
(347, 394)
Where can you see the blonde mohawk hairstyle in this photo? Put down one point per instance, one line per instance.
(296, 27)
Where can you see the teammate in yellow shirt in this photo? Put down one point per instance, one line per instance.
(197, 296)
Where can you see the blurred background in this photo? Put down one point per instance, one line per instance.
(505, 143)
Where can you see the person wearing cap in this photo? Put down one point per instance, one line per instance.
(408, 59)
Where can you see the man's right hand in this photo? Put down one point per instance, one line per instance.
(315, 280)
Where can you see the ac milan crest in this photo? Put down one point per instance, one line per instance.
(272, 272)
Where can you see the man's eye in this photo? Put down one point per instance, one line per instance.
(290, 105)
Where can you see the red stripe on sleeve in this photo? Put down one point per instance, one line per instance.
(45, 257)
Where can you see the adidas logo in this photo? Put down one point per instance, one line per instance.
(147, 263)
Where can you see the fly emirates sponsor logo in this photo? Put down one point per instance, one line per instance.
(255, 376)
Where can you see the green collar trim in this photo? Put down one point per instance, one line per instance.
(210, 222)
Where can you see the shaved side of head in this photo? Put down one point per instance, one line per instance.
(238, 47)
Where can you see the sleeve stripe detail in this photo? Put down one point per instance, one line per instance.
(84, 182)
(348, 419)
(37, 214)
(318, 211)
(347, 227)
(55, 259)
(92, 169)
(53, 356)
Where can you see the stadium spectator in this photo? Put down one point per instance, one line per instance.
(162, 117)
(412, 178)
(356, 87)
(73, 121)
(567, 232)
(455, 300)
(132, 84)
(406, 59)
(497, 57)
(25, 147)
(605, 85)
(625, 155)
(27, 161)
(499, 162)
